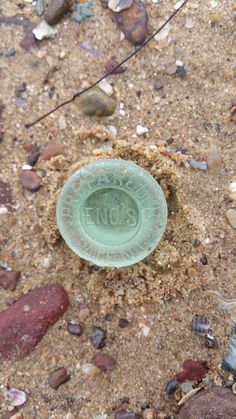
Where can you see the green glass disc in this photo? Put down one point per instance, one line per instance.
(112, 213)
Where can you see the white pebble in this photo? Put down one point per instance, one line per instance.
(113, 130)
(3, 210)
(26, 167)
(62, 122)
(106, 87)
(232, 190)
(145, 329)
(43, 30)
(179, 63)
(141, 130)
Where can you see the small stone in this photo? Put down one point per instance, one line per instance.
(210, 340)
(200, 165)
(53, 149)
(122, 414)
(216, 403)
(90, 369)
(98, 337)
(74, 328)
(26, 167)
(16, 397)
(84, 312)
(186, 387)
(111, 65)
(119, 5)
(189, 23)
(56, 10)
(43, 30)
(171, 387)
(30, 180)
(96, 103)
(203, 260)
(29, 40)
(171, 70)
(214, 159)
(123, 323)
(200, 325)
(58, 377)
(9, 278)
(158, 85)
(11, 52)
(232, 190)
(105, 362)
(39, 7)
(21, 89)
(3, 210)
(33, 157)
(181, 72)
(33, 323)
(231, 216)
(164, 33)
(141, 130)
(106, 87)
(149, 413)
(133, 22)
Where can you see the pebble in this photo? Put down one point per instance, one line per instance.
(33, 157)
(133, 22)
(32, 323)
(74, 328)
(44, 30)
(6, 198)
(123, 414)
(10, 53)
(106, 87)
(200, 325)
(186, 387)
(231, 189)
(82, 11)
(233, 114)
(110, 65)
(203, 260)
(181, 72)
(105, 362)
(96, 103)
(214, 159)
(189, 23)
(29, 40)
(216, 403)
(158, 85)
(84, 312)
(171, 70)
(9, 278)
(164, 33)
(141, 130)
(171, 387)
(98, 337)
(210, 340)
(123, 323)
(56, 10)
(90, 369)
(3, 210)
(52, 150)
(58, 377)
(150, 413)
(192, 370)
(195, 164)
(26, 167)
(119, 5)
(30, 180)
(39, 7)
(231, 216)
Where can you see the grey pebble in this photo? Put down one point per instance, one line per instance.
(195, 164)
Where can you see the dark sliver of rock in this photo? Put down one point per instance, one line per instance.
(104, 362)
(122, 414)
(133, 22)
(98, 337)
(56, 10)
(123, 323)
(74, 328)
(171, 387)
(30, 180)
(6, 198)
(96, 102)
(9, 278)
(111, 65)
(218, 403)
(33, 157)
(58, 377)
(23, 324)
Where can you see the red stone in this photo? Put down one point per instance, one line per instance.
(111, 64)
(9, 278)
(30, 180)
(58, 377)
(104, 362)
(192, 370)
(53, 149)
(23, 324)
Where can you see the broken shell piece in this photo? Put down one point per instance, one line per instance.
(16, 397)
(119, 5)
(106, 87)
(189, 395)
(200, 325)
(44, 30)
(229, 360)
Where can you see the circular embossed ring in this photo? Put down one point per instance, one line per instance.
(112, 213)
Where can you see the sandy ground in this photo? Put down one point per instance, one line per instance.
(194, 112)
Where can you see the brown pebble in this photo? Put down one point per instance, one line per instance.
(171, 70)
(111, 64)
(56, 10)
(123, 414)
(83, 312)
(96, 102)
(149, 413)
(58, 377)
(105, 362)
(133, 22)
(74, 328)
(214, 159)
(53, 149)
(30, 180)
(9, 278)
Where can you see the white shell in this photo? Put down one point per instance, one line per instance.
(119, 5)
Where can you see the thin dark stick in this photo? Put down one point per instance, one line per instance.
(110, 72)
